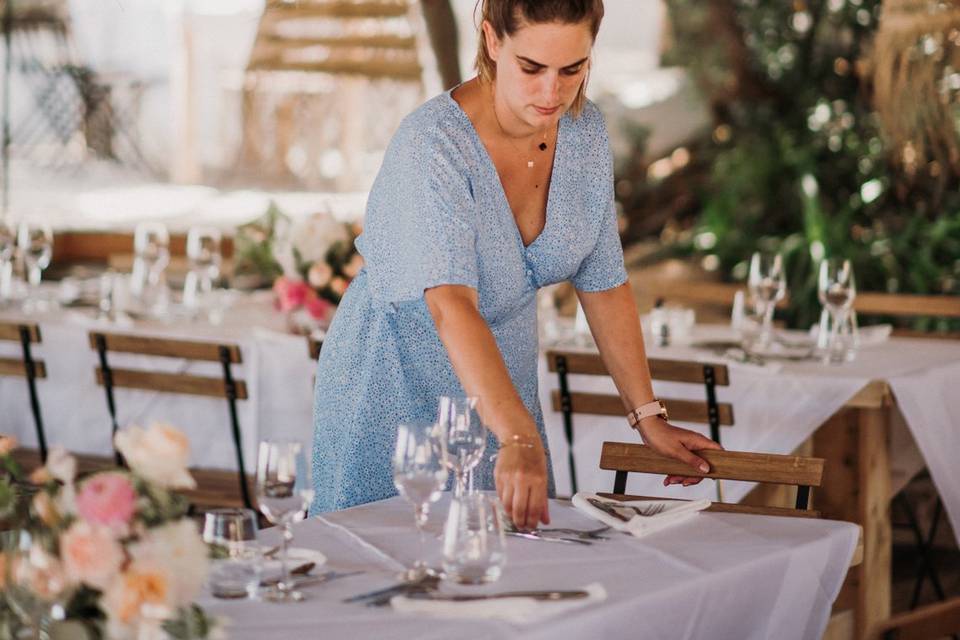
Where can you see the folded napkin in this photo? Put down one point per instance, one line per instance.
(515, 610)
(674, 512)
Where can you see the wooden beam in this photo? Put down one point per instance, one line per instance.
(909, 305)
(165, 347)
(398, 70)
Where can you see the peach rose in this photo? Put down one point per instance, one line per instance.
(107, 499)
(132, 590)
(339, 285)
(159, 455)
(3, 571)
(353, 267)
(7, 444)
(180, 551)
(46, 509)
(91, 554)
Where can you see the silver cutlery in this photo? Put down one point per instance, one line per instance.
(536, 595)
(586, 534)
(322, 578)
(611, 509)
(426, 583)
(533, 535)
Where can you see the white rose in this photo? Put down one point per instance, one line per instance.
(159, 454)
(314, 236)
(181, 553)
(62, 465)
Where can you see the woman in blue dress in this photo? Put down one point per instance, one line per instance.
(487, 192)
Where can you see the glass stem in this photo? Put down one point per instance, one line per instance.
(460, 485)
(420, 515)
(284, 584)
(34, 276)
(767, 329)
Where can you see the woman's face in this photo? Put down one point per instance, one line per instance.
(540, 68)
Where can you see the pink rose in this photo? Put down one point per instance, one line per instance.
(317, 307)
(90, 554)
(290, 293)
(108, 499)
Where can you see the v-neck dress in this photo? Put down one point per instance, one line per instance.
(437, 214)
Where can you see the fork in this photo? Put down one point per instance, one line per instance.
(652, 510)
(590, 534)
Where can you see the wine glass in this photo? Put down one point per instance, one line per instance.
(836, 289)
(767, 283)
(474, 546)
(284, 491)
(35, 242)
(8, 250)
(466, 437)
(151, 251)
(204, 256)
(419, 475)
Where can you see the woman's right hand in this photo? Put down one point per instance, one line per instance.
(521, 478)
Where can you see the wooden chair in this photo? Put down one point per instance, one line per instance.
(26, 367)
(212, 486)
(802, 472)
(933, 621)
(710, 411)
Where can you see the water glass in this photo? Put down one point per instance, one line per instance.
(847, 341)
(204, 256)
(474, 546)
(836, 289)
(767, 283)
(232, 535)
(151, 255)
(284, 491)
(35, 242)
(466, 437)
(419, 474)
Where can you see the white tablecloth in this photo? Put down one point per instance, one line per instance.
(775, 410)
(716, 576)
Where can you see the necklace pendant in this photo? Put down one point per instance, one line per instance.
(529, 164)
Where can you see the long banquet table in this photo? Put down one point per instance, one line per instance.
(717, 575)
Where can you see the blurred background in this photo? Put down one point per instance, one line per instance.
(736, 125)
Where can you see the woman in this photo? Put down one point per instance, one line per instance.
(487, 192)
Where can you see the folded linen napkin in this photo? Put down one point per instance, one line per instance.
(674, 512)
(514, 610)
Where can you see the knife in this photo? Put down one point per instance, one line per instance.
(424, 584)
(535, 536)
(536, 595)
(608, 509)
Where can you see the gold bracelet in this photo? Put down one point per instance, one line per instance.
(516, 440)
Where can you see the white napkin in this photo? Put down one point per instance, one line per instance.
(674, 512)
(515, 610)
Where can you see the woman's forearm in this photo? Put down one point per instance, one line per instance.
(476, 360)
(615, 325)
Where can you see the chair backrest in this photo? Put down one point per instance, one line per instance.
(224, 386)
(902, 305)
(932, 621)
(802, 472)
(26, 366)
(709, 411)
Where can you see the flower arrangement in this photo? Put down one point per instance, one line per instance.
(112, 553)
(310, 262)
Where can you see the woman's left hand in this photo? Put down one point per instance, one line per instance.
(677, 443)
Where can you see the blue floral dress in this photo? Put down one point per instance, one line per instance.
(437, 214)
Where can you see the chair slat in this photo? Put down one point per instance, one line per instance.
(16, 367)
(724, 507)
(726, 465)
(11, 331)
(609, 405)
(186, 349)
(172, 383)
(943, 306)
(932, 621)
(660, 369)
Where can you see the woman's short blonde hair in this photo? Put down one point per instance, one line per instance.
(506, 16)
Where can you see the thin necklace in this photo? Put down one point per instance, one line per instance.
(542, 146)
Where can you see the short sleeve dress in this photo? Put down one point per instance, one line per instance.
(437, 214)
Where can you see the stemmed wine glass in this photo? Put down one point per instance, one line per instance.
(836, 290)
(37, 588)
(466, 437)
(767, 283)
(419, 475)
(35, 242)
(8, 250)
(203, 253)
(151, 250)
(284, 491)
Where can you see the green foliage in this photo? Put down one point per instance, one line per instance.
(253, 246)
(798, 162)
